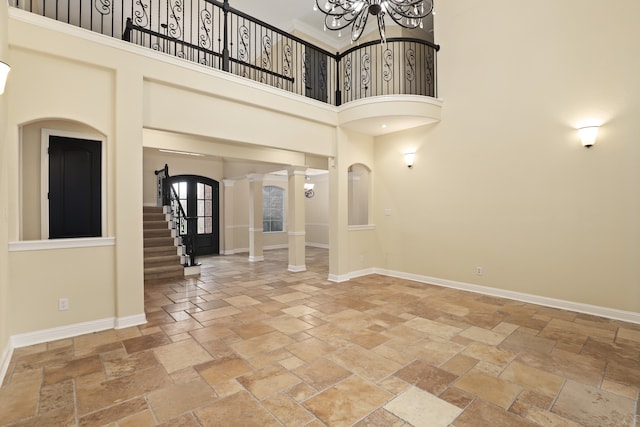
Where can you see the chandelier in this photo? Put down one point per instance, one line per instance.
(343, 13)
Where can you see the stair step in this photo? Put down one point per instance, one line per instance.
(160, 260)
(154, 251)
(153, 217)
(163, 272)
(158, 241)
(153, 225)
(157, 232)
(152, 209)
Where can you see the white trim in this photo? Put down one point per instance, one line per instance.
(361, 227)
(256, 230)
(610, 313)
(297, 268)
(317, 245)
(339, 278)
(43, 245)
(256, 258)
(297, 233)
(76, 329)
(45, 135)
(129, 321)
(5, 361)
(192, 270)
(151, 205)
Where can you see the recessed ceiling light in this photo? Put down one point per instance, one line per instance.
(383, 126)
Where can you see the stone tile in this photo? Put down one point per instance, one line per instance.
(459, 364)
(56, 396)
(146, 342)
(242, 301)
(287, 410)
(181, 327)
(434, 350)
(96, 395)
(322, 373)
(65, 416)
(169, 402)
(426, 377)
(422, 409)
(483, 414)
(262, 344)
(239, 407)
(519, 341)
(380, 418)
(584, 369)
(19, 401)
(141, 419)
(114, 413)
(252, 330)
(368, 340)
(456, 397)
(291, 296)
(223, 369)
(181, 354)
(433, 328)
(37, 360)
(71, 369)
(268, 381)
(590, 406)
(287, 324)
(292, 363)
(629, 334)
(299, 310)
(540, 416)
(365, 363)
(489, 388)
(347, 402)
(128, 364)
(227, 388)
(216, 313)
(185, 420)
(310, 349)
(301, 392)
(486, 336)
(533, 379)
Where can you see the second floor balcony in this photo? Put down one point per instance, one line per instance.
(214, 34)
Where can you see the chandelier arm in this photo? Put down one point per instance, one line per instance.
(359, 24)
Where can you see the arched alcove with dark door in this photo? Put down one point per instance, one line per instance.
(200, 198)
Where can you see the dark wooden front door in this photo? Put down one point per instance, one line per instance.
(199, 197)
(74, 187)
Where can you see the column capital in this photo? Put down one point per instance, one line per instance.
(228, 182)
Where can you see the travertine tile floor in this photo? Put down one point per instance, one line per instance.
(249, 344)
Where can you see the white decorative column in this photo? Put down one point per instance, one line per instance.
(296, 219)
(229, 223)
(255, 218)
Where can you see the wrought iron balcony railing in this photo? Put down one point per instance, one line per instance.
(213, 34)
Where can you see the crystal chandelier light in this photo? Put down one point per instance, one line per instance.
(342, 13)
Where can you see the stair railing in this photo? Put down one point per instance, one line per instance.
(186, 226)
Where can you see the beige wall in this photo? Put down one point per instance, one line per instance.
(5, 295)
(316, 211)
(502, 181)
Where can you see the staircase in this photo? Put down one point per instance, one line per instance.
(161, 257)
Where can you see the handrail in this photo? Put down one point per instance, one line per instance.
(214, 34)
(170, 198)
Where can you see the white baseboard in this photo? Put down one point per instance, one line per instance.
(69, 331)
(297, 268)
(352, 275)
(610, 313)
(129, 321)
(5, 360)
(256, 258)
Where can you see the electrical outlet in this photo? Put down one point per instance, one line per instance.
(63, 304)
(479, 271)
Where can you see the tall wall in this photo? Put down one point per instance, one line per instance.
(502, 181)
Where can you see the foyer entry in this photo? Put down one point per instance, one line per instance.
(200, 198)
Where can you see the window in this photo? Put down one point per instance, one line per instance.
(272, 208)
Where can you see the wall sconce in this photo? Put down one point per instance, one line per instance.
(409, 158)
(308, 188)
(4, 73)
(588, 135)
